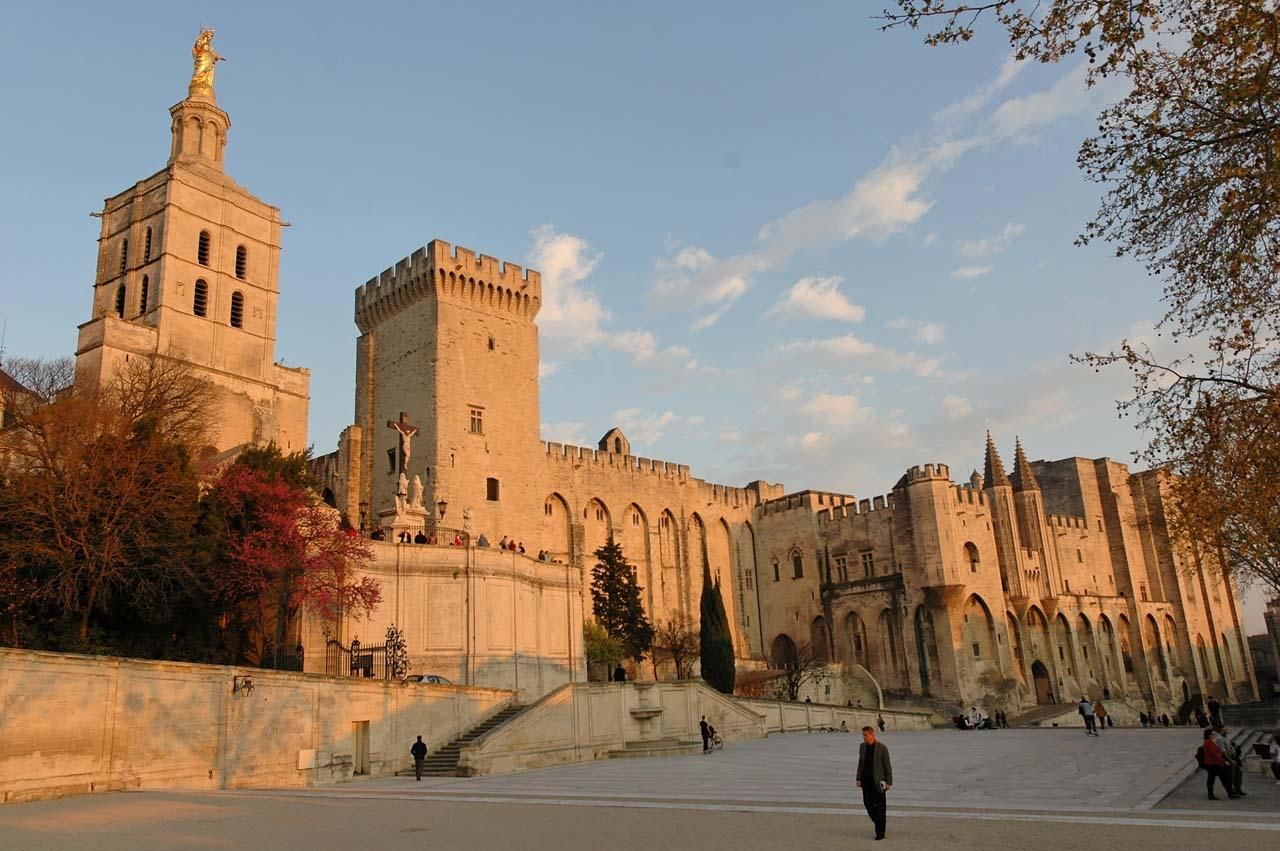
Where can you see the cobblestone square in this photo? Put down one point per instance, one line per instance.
(1049, 789)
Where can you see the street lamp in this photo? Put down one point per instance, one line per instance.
(441, 506)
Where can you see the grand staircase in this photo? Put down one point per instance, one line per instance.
(444, 761)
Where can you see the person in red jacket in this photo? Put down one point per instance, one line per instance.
(1215, 764)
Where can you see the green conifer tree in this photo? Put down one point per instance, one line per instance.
(717, 644)
(615, 596)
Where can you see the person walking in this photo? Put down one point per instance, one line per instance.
(419, 751)
(1100, 716)
(1086, 712)
(706, 734)
(1209, 755)
(1232, 759)
(874, 778)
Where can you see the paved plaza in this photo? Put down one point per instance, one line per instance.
(1048, 789)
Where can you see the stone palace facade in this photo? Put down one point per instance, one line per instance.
(1061, 577)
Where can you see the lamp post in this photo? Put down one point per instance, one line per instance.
(440, 507)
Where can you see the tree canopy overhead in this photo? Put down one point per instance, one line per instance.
(1189, 163)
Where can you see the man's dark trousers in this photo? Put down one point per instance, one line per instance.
(877, 808)
(417, 767)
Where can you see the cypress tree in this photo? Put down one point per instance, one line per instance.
(717, 643)
(615, 596)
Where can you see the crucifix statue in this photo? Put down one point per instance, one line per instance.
(407, 433)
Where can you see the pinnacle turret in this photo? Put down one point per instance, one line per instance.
(993, 470)
(1023, 478)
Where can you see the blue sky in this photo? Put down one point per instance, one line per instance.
(775, 242)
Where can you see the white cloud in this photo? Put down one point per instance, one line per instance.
(846, 345)
(569, 431)
(956, 407)
(642, 427)
(546, 369)
(885, 200)
(851, 347)
(930, 333)
(571, 315)
(827, 406)
(818, 298)
(969, 273)
(992, 245)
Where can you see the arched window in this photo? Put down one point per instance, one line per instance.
(797, 564)
(971, 555)
(777, 571)
(142, 295)
(242, 262)
(200, 299)
(120, 294)
(146, 248)
(617, 444)
(202, 253)
(237, 309)
(124, 255)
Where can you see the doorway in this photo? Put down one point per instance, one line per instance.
(1044, 688)
(359, 747)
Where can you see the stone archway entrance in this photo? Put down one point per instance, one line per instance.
(1044, 687)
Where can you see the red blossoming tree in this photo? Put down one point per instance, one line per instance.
(277, 551)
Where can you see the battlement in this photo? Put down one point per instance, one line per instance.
(1060, 521)
(809, 501)
(861, 508)
(564, 453)
(928, 472)
(451, 273)
(708, 492)
(966, 495)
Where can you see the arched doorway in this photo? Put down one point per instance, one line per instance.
(782, 652)
(1044, 686)
(556, 535)
(819, 640)
(926, 650)
(855, 640)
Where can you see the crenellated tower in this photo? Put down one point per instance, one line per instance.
(447, 338)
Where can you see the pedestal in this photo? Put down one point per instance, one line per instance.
(411, 520)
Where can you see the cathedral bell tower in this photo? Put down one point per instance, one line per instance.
(188, 269)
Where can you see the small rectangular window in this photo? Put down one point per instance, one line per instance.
(777, 572)
(868, 564)
(477, 421)
(491, 489)
(977, 651)
(1142, 591)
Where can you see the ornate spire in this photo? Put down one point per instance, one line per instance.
(1023, 478)
(993, 471)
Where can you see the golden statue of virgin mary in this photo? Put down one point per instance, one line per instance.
(205, 58)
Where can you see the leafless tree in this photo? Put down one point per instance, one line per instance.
(679, 641)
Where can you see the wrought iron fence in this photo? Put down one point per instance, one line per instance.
(356, 660)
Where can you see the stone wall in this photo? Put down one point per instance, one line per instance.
(782, 716)
(477, 616)
(78, 724)
(583, 722)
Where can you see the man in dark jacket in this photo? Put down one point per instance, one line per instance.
(874, 777)
(419, 751)
(705, 729)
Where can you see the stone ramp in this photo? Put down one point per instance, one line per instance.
(443, 762)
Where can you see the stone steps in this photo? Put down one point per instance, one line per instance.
(443, 762)
(658, 747)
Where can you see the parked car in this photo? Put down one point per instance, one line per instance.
(428, 679)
